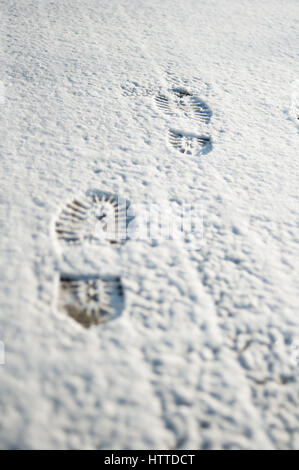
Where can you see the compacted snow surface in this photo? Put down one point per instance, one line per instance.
(193, 342)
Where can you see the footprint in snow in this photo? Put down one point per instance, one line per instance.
(91, 300)
(96, 218)
(180, 101)
(189, 144)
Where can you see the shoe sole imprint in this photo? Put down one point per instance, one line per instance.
(96, 217)
(91, 300)
(189, 144)
(181, 101)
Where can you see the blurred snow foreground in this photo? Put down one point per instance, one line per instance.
(150, 340)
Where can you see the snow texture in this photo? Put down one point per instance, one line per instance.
(193, 103)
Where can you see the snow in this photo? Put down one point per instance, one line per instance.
(205, 351)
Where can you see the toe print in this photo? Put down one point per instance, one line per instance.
(98, 217)
(90, 300)
(189, 144)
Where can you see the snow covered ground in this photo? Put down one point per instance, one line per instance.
(114, 96)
